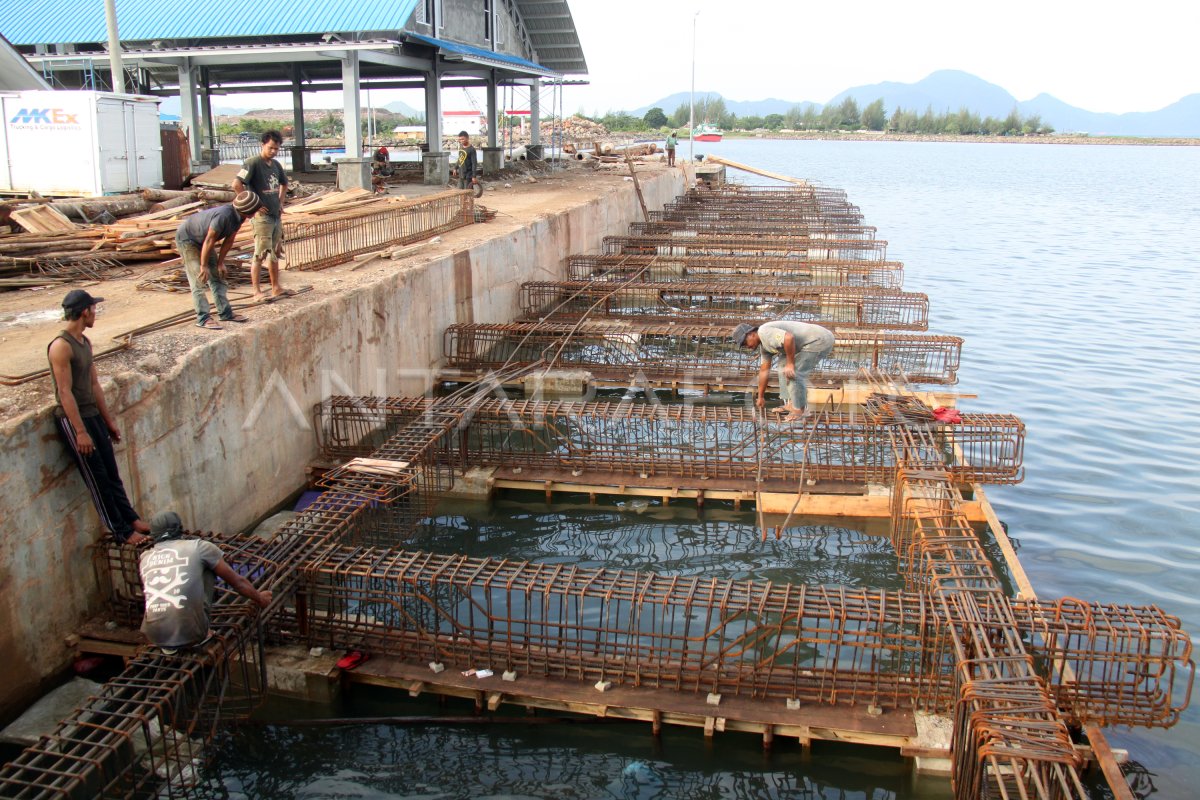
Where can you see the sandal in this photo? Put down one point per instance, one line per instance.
(352, 659)
(237, 318)
(209, 323)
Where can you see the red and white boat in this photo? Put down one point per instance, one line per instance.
(707, 132)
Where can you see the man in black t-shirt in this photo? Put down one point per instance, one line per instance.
(264, 176)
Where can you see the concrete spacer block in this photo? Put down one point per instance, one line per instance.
(509, 675)
(793, 704)
(714, 699)
(603, 686)
(436, 667)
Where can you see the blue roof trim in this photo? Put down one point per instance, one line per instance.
(478, 52)
(30, 22)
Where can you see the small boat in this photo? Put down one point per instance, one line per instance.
(707, 132)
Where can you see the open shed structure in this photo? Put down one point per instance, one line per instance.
(226, 47)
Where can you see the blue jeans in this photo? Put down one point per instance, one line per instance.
(190, 253)
(795, 392)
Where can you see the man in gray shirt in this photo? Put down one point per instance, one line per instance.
(203, 241)
(177, 576)
(800, 345)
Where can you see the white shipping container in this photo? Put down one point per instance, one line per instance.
(79, 143)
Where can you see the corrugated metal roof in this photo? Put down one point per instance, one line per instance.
(15, 73)
(479, 53)
(552, 33)
(29, 22)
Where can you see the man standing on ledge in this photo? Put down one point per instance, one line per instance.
(465, 167)
(196, 239)
(264, 176)
(84, 422)
(177, 576)
(800, 345)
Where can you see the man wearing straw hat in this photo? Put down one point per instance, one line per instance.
(204, 262)
(800, 346)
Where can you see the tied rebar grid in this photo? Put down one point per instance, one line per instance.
(771, 227)
(690, 355)
(699, 443)
(811, 248)
(1009, 738)
(145, 733)
(710, 269)
(725, 302)
(714, 212)
(337, 238)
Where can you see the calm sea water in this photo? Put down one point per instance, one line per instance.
(1071, 272)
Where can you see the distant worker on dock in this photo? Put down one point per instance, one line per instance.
(84, 422)
(466, 167)
(264, 176)
(197, 241)
(672, 140)
(177, 576)
(800, 346)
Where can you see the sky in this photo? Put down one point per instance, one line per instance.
(1141, 58)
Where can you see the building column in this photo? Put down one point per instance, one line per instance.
(535, 113)
(351, 105)
(492, 116)
(433, 110)
(208, 133)
(299, 159)
(187, 107)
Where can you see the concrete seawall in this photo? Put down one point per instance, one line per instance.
(224, 434)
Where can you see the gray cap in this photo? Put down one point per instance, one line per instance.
(166, 525)
(741, 332)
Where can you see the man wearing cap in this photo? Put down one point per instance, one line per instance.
(264, 176)
(177, 577)
(84, 422)
(196, 239)
(800, 346)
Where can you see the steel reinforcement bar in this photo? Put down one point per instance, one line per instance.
(726, 302)
(769, 227)
(339, 237)
(1009, 738)
(812, 248)
(692, 355)
(710, 269)
(757, 639)
(694, 442)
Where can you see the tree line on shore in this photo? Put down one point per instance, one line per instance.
(844, 116)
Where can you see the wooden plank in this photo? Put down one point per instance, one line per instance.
(664, 706)
(43, 219)
(1108, 762)
(1024, 586)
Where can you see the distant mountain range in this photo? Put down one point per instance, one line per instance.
(950, 90)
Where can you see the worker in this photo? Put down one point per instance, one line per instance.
(264, 176)
(196, 239)
(465, 168)
(672, 140)
(83, 420)
(799, 346)
(177, 577)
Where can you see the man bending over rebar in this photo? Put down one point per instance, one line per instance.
(800, 346)
(177, 577)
